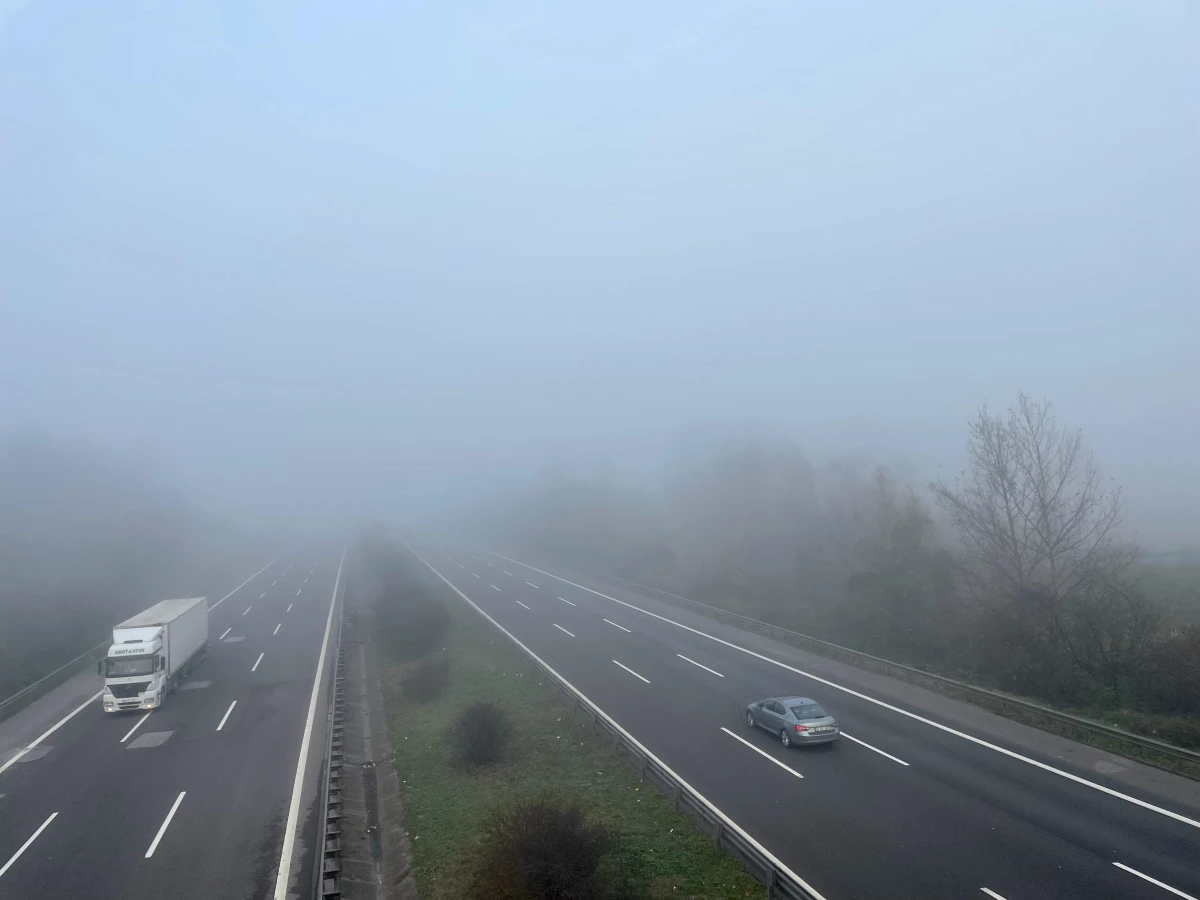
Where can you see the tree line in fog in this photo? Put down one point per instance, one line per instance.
(1016, 573)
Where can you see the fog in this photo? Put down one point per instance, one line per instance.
(307, 263)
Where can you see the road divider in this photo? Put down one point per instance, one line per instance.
(49, 731)
(895, 759)
(1154, 881)
(167, 821)
(225, 717)
(700, 665)
(763, 753)
(136, 726)
(631, 672)
(25, 846)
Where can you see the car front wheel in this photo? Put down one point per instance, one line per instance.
(785, 738)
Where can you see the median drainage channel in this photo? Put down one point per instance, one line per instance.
(365, 853)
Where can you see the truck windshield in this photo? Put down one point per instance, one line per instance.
(129, 665)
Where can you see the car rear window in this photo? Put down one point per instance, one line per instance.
(809, 711)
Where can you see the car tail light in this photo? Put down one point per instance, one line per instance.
(802, 728)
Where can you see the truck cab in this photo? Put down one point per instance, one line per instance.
(134, 670)
(152, 653)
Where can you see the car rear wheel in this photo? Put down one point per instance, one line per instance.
(785, 738)
(749, 718)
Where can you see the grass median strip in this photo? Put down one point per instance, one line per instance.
(552, 752)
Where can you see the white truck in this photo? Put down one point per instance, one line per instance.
(152, 652)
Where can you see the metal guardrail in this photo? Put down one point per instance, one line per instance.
(781, 882)
(328, 881)
(986, 698)
(25, 691)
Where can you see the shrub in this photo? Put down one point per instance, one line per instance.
(546, 850)
(481, 734)
(410, 622)
(427, 679)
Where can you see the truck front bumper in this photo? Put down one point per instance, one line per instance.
(129, 704)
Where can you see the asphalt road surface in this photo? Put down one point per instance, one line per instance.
(190, 800)
(904, 806)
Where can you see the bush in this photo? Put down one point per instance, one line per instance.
(427, 679)
(1173, 683)
(410, 622)
(547, 850)
(481, 734)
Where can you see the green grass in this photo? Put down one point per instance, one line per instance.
(553, 751)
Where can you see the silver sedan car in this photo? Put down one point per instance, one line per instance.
(795, 720)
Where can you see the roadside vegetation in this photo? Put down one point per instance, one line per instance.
(507, 794)
(1016, 574)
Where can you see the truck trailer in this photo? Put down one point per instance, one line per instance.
(153, 652)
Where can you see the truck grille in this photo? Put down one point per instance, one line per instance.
(128, 690)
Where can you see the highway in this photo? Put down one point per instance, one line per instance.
(190, 800)
(906, 805)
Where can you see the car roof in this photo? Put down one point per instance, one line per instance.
(797, 700)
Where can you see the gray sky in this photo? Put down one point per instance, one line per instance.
(312, 259)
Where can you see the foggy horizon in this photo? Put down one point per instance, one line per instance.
(313, 265)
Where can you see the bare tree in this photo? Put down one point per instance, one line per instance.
(1034, 513)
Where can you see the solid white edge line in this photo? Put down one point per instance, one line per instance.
(226, 716)
(276, 631)
(615, 625)
(257, 661)
(243, 584)
(1166, 887)
(163, 828)
(775, 861)
(49, 731)
(225, 632)
(631, 672)
(699, 666)
(283, 873)
(519, 603)
(136, 726)
(532, 585)
(25, 846)
(876, 749)
(992, 894)
(896, 709)
(566, 601)
(761, 752)
(563, 630)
